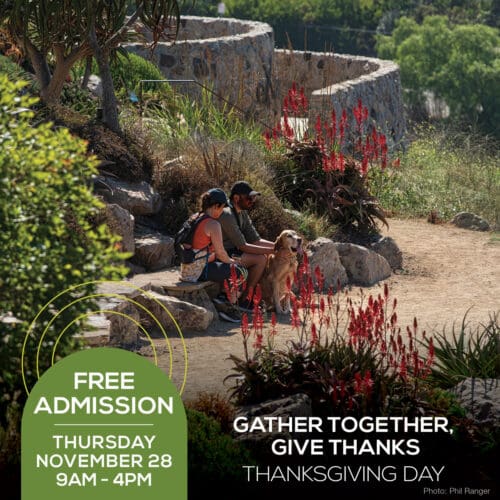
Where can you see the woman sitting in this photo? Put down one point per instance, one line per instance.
(212, 262)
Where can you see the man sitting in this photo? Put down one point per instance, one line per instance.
(240, 238)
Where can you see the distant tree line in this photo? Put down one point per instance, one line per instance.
(340, 25)
(458, 63)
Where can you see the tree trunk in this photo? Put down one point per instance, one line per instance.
(52, 92)
(109, 103)
(51, 85)
(88, 71)
(39, 63)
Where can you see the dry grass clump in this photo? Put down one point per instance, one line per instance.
(216, 406)
(207, 163)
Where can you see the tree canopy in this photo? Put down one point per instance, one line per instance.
(458, 63)
(55, 34)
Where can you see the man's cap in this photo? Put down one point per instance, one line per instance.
(242, 187)
(218, 196)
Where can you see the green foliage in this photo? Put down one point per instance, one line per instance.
(200, 8)
(212, 455)
(331, 25)
(177, 116)
(458, 63)
(127, 70)
(79, 100)
(311, 225)
(48, 245)
(11, 69)
(351, 27)
(467, 353)
(444, 171)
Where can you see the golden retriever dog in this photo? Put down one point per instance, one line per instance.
(281, 265)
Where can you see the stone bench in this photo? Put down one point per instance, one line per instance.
(164, 290)
(167, 282)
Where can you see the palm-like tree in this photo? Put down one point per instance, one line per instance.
(55, 34)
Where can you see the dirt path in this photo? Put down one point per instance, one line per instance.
(446, 271)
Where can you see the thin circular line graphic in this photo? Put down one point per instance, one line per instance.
(125, 298)
(98, 282)
(110, 311)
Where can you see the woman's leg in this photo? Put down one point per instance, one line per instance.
(221, 272)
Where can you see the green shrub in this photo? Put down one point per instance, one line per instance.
(457, 63)
(311, 225)
(79, 100)
(216, 406)
(212, 455)
(177, 116)
(127, 70)
(13, 71)
(48, 245)
(470, 352)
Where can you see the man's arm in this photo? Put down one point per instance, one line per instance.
(257, 247)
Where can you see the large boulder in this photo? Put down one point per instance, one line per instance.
(139, 198)
(187, 315)
(153, 250)
(124, 328)
(467, 220)
(323, 254)
(121, 222)
(296, 405)
(388, 248)
(481, 399)
(363, 266)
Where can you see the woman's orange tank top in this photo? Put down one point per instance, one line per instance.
(200, 239)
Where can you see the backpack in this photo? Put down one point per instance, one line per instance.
(184, 239)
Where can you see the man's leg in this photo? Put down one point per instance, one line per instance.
(255, 265)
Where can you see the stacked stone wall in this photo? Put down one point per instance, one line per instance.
(338, 81)
(232, 57)
(238, 61)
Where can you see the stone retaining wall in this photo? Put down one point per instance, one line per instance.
(231, 56)
(238, 61)
(337, 81)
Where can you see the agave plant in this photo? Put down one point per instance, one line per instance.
(330, 166)
(345, 197)
(467, 352)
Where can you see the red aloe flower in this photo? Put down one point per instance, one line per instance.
(303, 99)
(368, 383)
(402, 369)
(273, 323)
(258, 341)
(245, 329)
(314, 334)
(295, 318)
(357, 383)
(267, 139)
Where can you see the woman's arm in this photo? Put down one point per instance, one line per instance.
(213, 229)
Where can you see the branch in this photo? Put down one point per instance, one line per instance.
(116, 37)
(37, 59)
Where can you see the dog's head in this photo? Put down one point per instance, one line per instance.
(289, 241)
